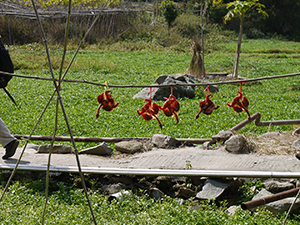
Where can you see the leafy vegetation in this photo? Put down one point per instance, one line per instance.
(68, 206)
(250, 189)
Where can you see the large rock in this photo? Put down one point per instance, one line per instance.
(212, 189)
(178, 91)
(277, 186)
(235, 144)
(164, 141)
(102, 149)
(129, 147)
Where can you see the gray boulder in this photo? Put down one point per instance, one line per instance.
(212, 189)
(235, 144)
(129, 147)
(277, 186)
(222, 136)
(164, 141)
(178, 91)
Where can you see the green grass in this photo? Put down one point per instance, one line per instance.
(68, 206)
(275, 99)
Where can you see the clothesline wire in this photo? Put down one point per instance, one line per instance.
(204, 83)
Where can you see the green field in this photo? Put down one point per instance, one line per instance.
(275, 99)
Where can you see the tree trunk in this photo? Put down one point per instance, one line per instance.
(202, 38)
(196, 64)
(238, 50)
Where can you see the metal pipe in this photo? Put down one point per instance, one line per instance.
(268, 199)
(257, 116)
(246, 122)
(105, 139)
(154, 172)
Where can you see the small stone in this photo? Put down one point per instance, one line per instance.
(297, 131)
(163, 182)
(112, 188)
(119, 196)
(185, 193)
(222, 136)
(59, 149)
(181, 201)
(296, 144)
(33, 146)
(206, 145)
(156, 193)
(232, 210)
(102, 149)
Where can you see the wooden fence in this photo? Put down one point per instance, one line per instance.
(18, 24)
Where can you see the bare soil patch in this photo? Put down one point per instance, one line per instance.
(278, 143)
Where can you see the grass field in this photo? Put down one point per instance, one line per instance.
(275, 99)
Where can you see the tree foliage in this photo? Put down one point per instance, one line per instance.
(283, 19)
(241, 8)
(169, 11)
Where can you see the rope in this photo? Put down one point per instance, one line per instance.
(153, 85)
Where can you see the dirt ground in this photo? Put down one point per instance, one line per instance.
(278, 143)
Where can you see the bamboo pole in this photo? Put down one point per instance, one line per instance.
(290, 209)
(59, 99)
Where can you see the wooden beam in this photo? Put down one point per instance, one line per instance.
(105, 139)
